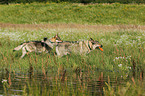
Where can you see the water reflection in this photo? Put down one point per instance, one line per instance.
(68, 80)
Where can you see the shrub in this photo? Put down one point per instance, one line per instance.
(74, 1)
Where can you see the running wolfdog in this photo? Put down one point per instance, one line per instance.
(77, 47)
(38, 46)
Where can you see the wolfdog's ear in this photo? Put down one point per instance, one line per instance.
(56, 35)
(91, 39)
(45, 38)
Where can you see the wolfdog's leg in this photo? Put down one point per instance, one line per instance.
(81, 47)
(23, 52)
(57, 52)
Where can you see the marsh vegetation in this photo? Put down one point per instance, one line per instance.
(118, 70)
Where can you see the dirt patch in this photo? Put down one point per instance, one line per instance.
(78, 26)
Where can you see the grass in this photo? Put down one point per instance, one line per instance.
(123, 57)
(122, 44)
(39, 13)
(129, 89)
(116, 71)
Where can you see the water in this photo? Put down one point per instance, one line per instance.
(69, 81)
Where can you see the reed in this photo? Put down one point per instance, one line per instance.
(122, 59)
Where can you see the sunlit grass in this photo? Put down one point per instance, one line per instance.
(123, 57)
(120, 49)
(40, 13)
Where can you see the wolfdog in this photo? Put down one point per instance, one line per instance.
(77, 47)
(38, 46)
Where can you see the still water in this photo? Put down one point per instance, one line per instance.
(68, 81)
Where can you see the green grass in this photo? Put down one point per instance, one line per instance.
(122, 58)
(122, 49)
(39, 13)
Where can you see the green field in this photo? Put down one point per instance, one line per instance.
(123, 56)
(73, 13)
(123, 49)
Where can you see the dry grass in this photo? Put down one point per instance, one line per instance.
(108, 28)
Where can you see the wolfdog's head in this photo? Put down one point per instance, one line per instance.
(56, 38)
(53, 41)
(95, 44)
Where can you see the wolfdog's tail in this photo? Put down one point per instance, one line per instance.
(19, 47)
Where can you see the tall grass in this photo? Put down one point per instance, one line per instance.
(39, 13)
(129, 89)
(121, 49)
(123, 57)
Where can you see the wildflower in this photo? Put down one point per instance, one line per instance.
(120, 65)
(117, 58)
(128, 57)
(4, 81)
(128, 67)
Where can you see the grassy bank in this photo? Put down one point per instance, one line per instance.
(122, 48)
(118, 70)
(123, 58)
(39, 13)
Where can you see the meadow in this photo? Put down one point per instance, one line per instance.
(123, 56)
(40, 13)
(118, 70)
